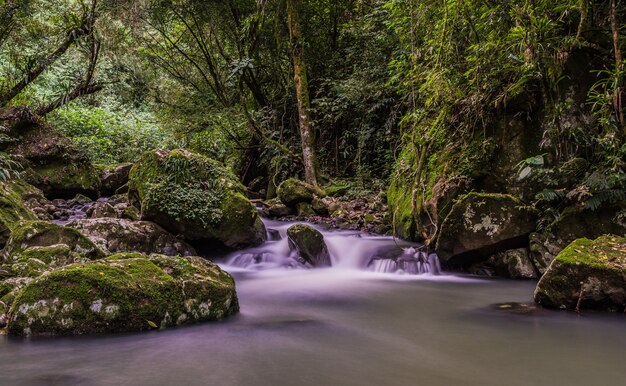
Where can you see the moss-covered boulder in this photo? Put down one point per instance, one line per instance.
(52, 162)
(195, 197)
(292, 192)
(125, 292)
(309, 244)
(587, 273)
(572, 224)
(30, 235)
(482, 224)
(12, 208)
(121, 235)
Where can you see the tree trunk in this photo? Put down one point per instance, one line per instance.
(619, 64)
(302, 93)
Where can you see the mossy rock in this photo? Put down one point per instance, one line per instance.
(309, 244)
(60, 179)
(121, 235)
(304, 210)
(482, 224)
(588, 273)
(52, 162)
(319, 206)
(195, 197)
(37, 234)
(514, 264)
(34, 261)
(572, 224)
(125, 292)
(291, 192)
(12, 208)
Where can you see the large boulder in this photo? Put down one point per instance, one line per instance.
(293, 192)
(482, 224)
(31, 235)
(309, 244)
(121, 235)
(586, 274)
(125, 292)
(195, 197)
(52, 162)
(12, 208)
(572, 224)
(114, 177)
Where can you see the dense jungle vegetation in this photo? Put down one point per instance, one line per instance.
(429, 98)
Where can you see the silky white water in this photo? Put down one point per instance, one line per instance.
(349, 250)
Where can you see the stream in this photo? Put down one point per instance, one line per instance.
(382, 315)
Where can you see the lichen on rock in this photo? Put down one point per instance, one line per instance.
(481, 224)
(125, 292)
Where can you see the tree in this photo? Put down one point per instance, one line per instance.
(307, 134)
(32, 68)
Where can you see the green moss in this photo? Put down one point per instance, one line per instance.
(65, 178)
(124, 292)
(309, 243)
(293, 191)
(608, 252)
(194, 196)
(31, 234)
(12, 209)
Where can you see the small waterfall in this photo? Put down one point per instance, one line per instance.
(348, 250)
(412, 262)
(384, 266)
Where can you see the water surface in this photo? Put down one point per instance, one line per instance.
(344, 326)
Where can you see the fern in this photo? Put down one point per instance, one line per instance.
(9, 168)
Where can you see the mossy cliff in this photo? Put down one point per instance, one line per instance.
(195, 197)
(124, 292)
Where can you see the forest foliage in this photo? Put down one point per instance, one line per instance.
(387, 79)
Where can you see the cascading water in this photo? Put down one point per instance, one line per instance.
(348, 250)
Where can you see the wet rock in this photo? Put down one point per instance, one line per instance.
(276, 209)
(103, 210)
(79, 199)
(125, 292)
(114, 177)
(482, 224)
(309, 244)
(587, 273)
(514, 264)
(273, 235)
(195, 197)
(524, 309)
(575, 223)
(122, 235)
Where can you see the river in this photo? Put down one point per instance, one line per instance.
(344, 325)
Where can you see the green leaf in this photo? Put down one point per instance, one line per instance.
(152, 324)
